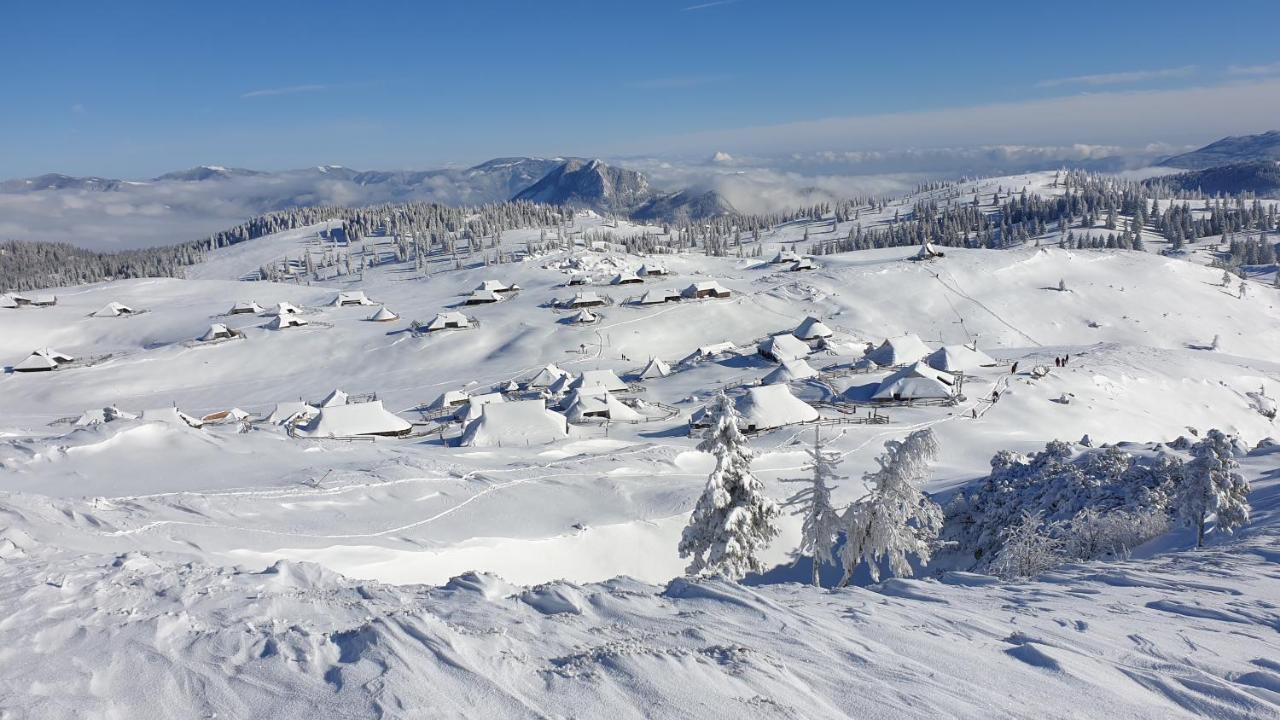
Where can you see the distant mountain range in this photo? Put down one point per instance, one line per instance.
(1229, 151)
(576, 182)
(1260, 177)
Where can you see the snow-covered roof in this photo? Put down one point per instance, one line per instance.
(286, 412)
(916, 382)
(605, 379)
(476, 403)
(449, 320)
(482, 296)
(354, 419)
(771, 406)
(652, 269)
(515, 424)
(802, 264)
(586, 297)
(546, 377)
(7, 301)
(655, 297)
(583, 406)
(383, 315)
(784, 347)
(43, 359)
(655, 369)
(280, 322)
(811, 329)
(285, 308)
(113, 309)
(170, 416)
(351, 297)
(585, 316)
(959, 358)
(702, 286)
(491, 286)
(901, 350)
(790, 370)
(103, 415)
(216, 331)
(335, 397)
(450, 398)
(785, 256)
(246, 307)
(626, 278)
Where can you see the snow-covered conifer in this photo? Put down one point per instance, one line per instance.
(733, 520)
(1210, 485)
(813, 503)
(895, 519)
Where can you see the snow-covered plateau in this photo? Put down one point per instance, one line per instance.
(273, 512)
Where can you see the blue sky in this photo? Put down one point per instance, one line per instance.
(132, 89)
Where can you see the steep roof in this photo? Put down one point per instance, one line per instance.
(583, 406)
(285, 308)
(770, 406)
(216, 331)
(790, 370)
(916, 382)
(958, 358)
(335, 397)
(606, 379)
(355, 419)
(383, 315)
(901, 350)
(811, 329)
(547, 376)
(113, 309)
(247, 307)
(288, 411)
(655, 297)
(104, 415)
(784, 347)
(450, 398)
(448, 319)
(280, 322)
(655, 369)
(515, 424)
(352, 297)
(170, 416)
(585, 316)
(476, 404)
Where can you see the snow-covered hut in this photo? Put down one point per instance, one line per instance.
(706, 289)
(959, 358)
(626, 278)
(355, 419)
(812, 329)
(916, 382)
(290, 412)
(106, 414)
(383, 315)
(658, 297)
(218, 331)
(113, 309)
(546, 377)
(764, 407)
(586, 298)
(802, 264)
(450, 399)
(42, 360)
(655, 369)
(598, 379)
(170, 416)
(784, 256)
(788, 371)
(336, 396)
(284, 308)
(351, 297)
(584, 406)
(779, 348)
(496, 286)
(481, 297)
(476, 403)
(653, 269)
(515, 424)
(246, 308)
(927, 251)
(901, 350)
(283, 322)
(448, 321)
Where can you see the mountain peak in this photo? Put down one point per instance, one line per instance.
(1229, 150)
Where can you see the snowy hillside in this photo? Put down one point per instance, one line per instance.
(256, 562)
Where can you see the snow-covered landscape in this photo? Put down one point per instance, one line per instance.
(874, 415)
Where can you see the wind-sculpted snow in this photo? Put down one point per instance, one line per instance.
(1189, 634)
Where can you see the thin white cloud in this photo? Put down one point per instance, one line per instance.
(683, 81)
(1269, 69)
(1130, 117)
(291, 90)
(705, 5)
(1120, 78)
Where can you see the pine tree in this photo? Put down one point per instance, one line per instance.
(813, 502)
(1210, 485)
(733, 520)
(895, 519)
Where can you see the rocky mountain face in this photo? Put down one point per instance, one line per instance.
(590, 184)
